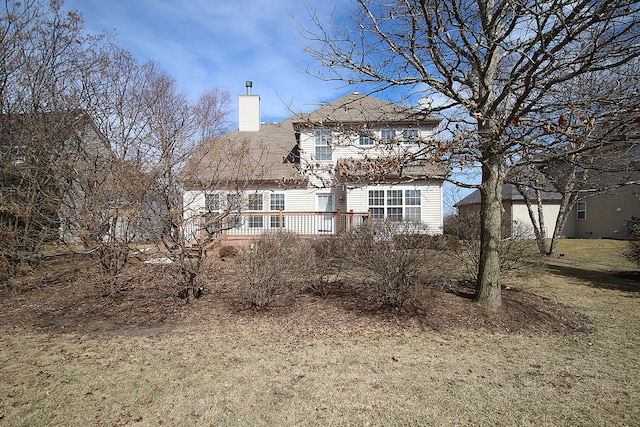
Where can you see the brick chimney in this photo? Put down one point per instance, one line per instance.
(249, 111)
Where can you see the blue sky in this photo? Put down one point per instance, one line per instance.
(212, 43)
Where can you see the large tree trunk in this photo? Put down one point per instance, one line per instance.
(488, 292)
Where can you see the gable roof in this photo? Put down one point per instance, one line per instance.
(265, 155)
(357, 107)
(270, 154)
(509, 193)
(47, 134)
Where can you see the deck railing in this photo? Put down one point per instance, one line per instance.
(247, 224)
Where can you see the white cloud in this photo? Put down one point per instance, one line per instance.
(203, 44)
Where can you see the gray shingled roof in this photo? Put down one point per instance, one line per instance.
(260, 154)
(509, 192)
(361, 108)
(267, 153)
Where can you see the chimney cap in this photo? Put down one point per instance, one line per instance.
(249, 83)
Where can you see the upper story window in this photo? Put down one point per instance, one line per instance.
(410, 136)
(323, 140)
(366, 139)
(212, 202)
(581, 209)
(388, 135)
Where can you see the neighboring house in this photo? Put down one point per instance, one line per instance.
(602, 216)
(516, 215)
(39, 153)
(64, 166)
(606, 216)
(317, 173)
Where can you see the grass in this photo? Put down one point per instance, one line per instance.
(266, 373)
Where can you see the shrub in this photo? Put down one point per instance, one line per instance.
(269, 265)
(382, 249)
(633, 246)
(326, 263)
(514, 250)
(227, 251)
(633, 251)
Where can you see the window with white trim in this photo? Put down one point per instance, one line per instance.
(212, 206)
(255, 204)
(396, 204)
(410, 136)
(581, 210)
(376, 204)
(212, 202)
(388, 135)
(323, 141)
(366, 139)
(412, 202)
(234, 206)
(276, 203)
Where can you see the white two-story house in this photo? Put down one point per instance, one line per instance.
(356, 158)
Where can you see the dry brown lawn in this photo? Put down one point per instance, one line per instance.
(564, 350)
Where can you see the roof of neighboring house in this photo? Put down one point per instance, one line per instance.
(57, 132)
(509, 192)
(362, 108)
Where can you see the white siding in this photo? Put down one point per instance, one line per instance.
(193, 203)
(323, 182)
(431, 201)
(346, 146)
(249, 113)
(520, 215)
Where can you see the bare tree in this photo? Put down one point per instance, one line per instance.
(213, 111)
(222, 171)
(103, 198)
(595, 138)
(490, 65)
(180, 144)
(43, 58)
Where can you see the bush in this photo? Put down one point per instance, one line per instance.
(513, 250)
(269, 265)
(326, 263)
(633, 251)
(633, 247)
(227, 251)
(383, 249)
